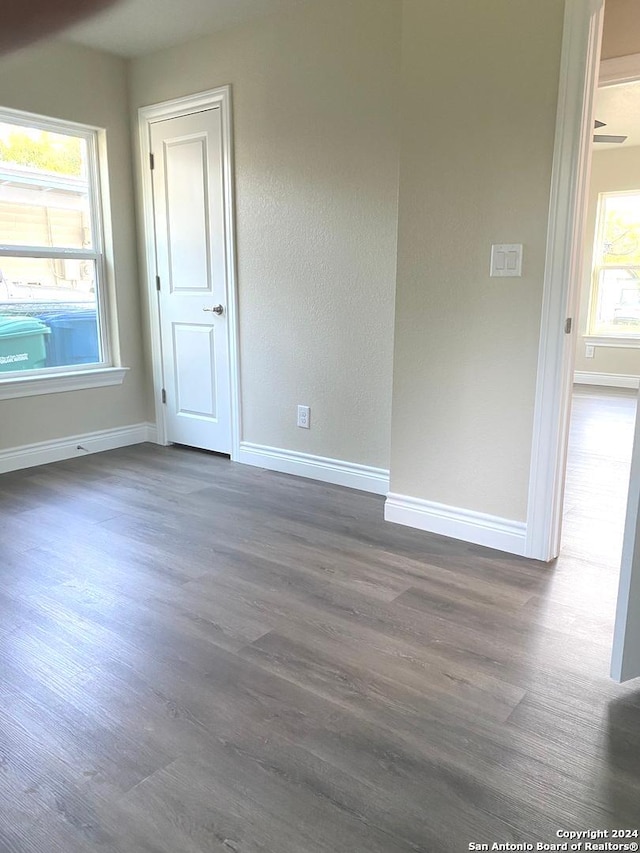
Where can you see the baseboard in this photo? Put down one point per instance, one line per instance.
(44, 452)
(362, 477)
(476, 527)
(609, 380)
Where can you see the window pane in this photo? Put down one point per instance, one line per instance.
(44, 189)
(48, 314)
(621, 232)
(618, 303)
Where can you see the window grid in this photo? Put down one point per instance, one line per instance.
(615, 313)
(93, 255)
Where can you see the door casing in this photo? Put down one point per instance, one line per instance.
(220, 97)
(565, 239)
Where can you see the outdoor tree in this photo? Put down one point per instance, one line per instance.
(621, 237)
(47, 152)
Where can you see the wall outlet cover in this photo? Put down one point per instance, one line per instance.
(304, 417)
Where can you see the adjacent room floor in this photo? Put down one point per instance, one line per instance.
(201, 656)
(600, 444)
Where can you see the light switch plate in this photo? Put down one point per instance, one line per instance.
(506, 260)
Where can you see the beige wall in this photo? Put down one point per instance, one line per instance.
(77, 84)
(317, 153)
(479, 95)
(314, 99)
(621, 28)
(612, 169)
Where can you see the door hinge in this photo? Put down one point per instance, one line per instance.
(152, 161)
(164, 396)
(568, 326)
(157, 282)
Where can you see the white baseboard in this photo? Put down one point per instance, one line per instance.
(476, 527)
(610, 380)
(44, 452)
(362, 477)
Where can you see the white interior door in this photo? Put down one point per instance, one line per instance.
(625, 661)
(188, 198)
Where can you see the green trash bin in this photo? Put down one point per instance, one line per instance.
(22, 343)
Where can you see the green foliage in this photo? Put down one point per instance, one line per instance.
(47, 152)
(621, 241)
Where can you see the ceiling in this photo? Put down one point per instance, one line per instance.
(619, 107)
(135, 27)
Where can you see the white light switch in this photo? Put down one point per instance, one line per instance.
(506, 260)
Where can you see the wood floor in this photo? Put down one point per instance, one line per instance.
(200, 656)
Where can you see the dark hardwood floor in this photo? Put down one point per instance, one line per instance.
(200, 656)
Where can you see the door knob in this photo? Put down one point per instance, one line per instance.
(217, 309)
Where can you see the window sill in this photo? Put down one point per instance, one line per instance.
(610, 341)
(55, 383)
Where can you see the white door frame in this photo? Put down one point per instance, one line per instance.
(220, 97)
(565, 239)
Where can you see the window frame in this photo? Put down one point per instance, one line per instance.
(78, 376)
(610, 339)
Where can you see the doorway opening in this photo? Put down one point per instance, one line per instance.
(607, 339)
(605, 304)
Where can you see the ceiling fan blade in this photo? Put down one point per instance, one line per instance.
(604, 137)
(600, 124)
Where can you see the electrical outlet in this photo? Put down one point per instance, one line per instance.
(589, 351)
(304, 417)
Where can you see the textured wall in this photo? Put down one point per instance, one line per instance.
(611, 170)
(314, 97)
(78, 84)
(479, 94)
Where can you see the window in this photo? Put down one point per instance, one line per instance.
(615, 292)
(52, 291)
